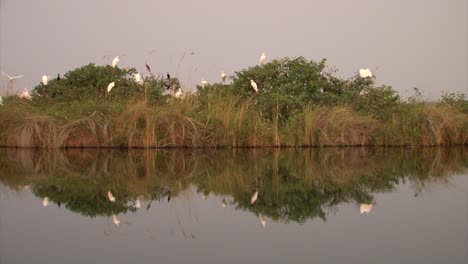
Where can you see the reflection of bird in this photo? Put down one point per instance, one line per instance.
(223, 203)
(254, 86)
(203, 83)
(263, 220)
(254, 197)
(262, 58)
(45, 201)
(116, 220)
(223, 76)
(137, 203)
(365, 208)
(25, 94)
(138, 79)
(364, 73)
(45, 79)
(115, 61)
(110, 86)
(110, 196)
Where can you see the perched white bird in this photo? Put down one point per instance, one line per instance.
(138, 79)
(45, 201)
(254, 197)
(25, 94)
(364, 73)
(223, 203)
(116, 220)
(115, 61)
(110, 86)
(1, 101)
(45, 79)
(204, 83)
(263, 220)
(365, 208)
(110, 196)
(262, 58)
(223, 76)
(179, 93)
(204, 197)
(137, 203)
(254, 86)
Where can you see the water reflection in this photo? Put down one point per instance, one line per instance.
(282, 185)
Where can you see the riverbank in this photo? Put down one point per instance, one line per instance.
(303, 106)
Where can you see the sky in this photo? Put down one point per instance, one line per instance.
(417, 43)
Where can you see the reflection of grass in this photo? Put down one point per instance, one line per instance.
(293, 184)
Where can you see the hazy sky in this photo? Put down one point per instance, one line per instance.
(417, 43)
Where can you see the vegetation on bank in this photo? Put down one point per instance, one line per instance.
(299, 103)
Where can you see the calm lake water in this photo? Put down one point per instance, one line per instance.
(334, 205)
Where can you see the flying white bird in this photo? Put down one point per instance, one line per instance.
(223, 76)
(110, 86)
(204, 83)
(254, 197)
(45, 79)
(115, 61)
(45, 201)
(110, 196)
(262, 58)
(137, 203)
(365, 208)
(254, 86)
(263, 221)
(25, 94)
(179, 93)
(138, 78)
(12, 77)
(116, 220)
(364, 73)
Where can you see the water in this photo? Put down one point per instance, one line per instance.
(195, 206)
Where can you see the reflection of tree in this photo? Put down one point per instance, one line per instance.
(293, 184)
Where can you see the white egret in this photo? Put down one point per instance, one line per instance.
(262, 58)
(204, 83)
(137, 203)
(254, 197)
(110, 86)
(254, 86)
(25, 94)
(1, 101)
(45, 201)
(45, 79)
(364, 73)
(365, 208)
(179, 93)
(223, 203)
(110, 196)
(204, 197)
(12, 79)
(116, 220)
(115, 61)
(223, 77)
(138, 79)
(263, 221)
